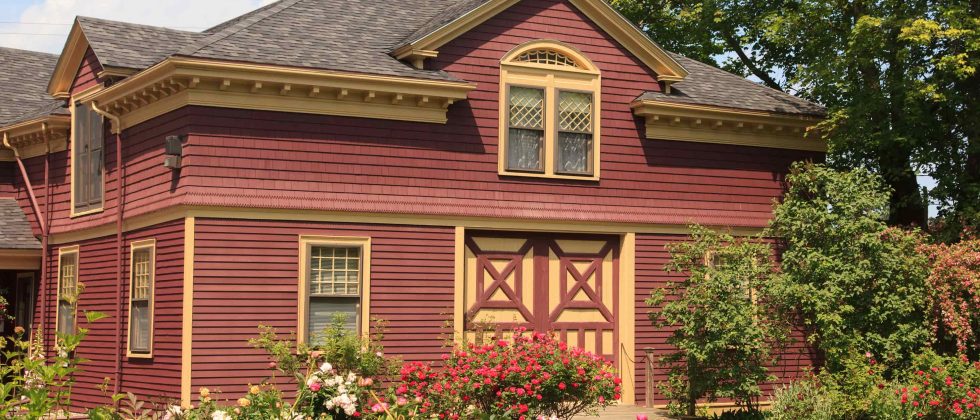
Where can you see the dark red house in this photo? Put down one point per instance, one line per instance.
(429, 163)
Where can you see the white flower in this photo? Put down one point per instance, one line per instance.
(312, 380)
(326, 367)
(175, 410)
(220, 415)
(351, 377)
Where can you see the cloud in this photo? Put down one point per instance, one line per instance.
(53, 17)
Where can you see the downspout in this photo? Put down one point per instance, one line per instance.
(116, 129)
(41, 217)
(45, 242)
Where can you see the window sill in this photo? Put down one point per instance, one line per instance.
(75, 214)
(139, 356)
(591, 178)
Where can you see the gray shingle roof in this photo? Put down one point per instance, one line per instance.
(24, 82)
(345, 35)
(15, 230)
(359, 35)
(708, 85)
(132, 46)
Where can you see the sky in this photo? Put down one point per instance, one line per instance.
(43, 25)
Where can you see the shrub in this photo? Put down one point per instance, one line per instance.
(804, 399)
(529, 376)
(941, 387)
(726, 318)
(954, 293)
(857, 283)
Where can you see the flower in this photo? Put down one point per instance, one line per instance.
(19, 330)
(315, 386)
(254, 390)
(326, 367)
(244, 402)
(220, 415)
(205, 393)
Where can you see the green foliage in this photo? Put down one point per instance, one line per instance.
(726, 316)
(899, 78)
(857, 284)
(954, 294)
(803, 399)
(349, 351)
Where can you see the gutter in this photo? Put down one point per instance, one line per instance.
(116, 129)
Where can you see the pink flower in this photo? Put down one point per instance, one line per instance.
(315, 386)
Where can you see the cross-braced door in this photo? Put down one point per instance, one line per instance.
(565, 284)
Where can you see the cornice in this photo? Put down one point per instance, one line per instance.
(707, 124)
(30, 137)
(179, 81)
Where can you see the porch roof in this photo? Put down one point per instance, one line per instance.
(15, 229)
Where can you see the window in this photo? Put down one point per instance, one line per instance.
(334, 281)
(88, 159)
(67, 289)
(141, 281)
(550, 117)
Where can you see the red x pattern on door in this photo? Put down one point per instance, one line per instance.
(561, 283)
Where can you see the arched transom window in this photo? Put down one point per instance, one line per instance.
(549, 116)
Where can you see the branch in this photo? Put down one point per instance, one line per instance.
(735, 46)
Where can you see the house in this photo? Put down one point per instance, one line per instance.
(437, 164)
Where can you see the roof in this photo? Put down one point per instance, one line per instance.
(132, 46)
(359, 36)
(23, 82)
(711, 86)
(15, 230)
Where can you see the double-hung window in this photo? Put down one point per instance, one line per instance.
(142, 271)
(550, 113)
(334, 284)
(67, 289)
(87, 159)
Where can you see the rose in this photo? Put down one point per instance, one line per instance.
(244, 402)
(315, 386)
(19, 330)
(254, 390)
(205, 393)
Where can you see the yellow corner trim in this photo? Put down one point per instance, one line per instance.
(187, 316)
(709, 124)
(305, 243)
(134, 246)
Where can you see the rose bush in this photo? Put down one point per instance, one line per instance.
(940, 388)
(528, 376)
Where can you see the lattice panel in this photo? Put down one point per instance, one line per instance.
(526, 108)
(141, 274)
(335, 271)
(547, 57)
(69, 276)
(575, 112)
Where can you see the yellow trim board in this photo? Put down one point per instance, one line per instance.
(598, 11)
(710, 124)
(178, 82)
(68, 62)
(187, 315)
(306, 242)
(489, 223)
(134, 246)
(627, 317)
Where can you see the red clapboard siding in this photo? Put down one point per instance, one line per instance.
(155, 380)
(88, 73)
(268, 159)
(245, 274)
(651, 258)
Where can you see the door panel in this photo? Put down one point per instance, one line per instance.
(559, 283)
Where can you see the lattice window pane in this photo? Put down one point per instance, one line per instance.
(142, 273)
(575, 112)
(335, 271)
(547, 57)
(526, 108)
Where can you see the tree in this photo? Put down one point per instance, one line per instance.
(898, 77)
(858, 285)
(725, 316)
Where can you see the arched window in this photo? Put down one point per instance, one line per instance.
(549, 118)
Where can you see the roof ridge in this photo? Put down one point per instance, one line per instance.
(237, 26)
(221, 26)
(95, 19)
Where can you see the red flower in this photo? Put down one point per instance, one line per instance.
(561, 386)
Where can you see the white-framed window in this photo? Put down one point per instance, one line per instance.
(67, 290)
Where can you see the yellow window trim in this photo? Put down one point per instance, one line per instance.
(552, 79)
(134, 246)
(68, 250)
(73, 213)
(306, 242)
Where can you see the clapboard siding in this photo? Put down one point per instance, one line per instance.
(157, 379)
(246, 274)
(88, 73)
(269, 159)
(651, 258)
